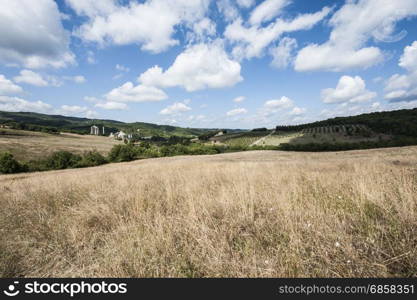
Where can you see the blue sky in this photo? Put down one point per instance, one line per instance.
(202, 63)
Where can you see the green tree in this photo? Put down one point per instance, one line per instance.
(9, 165)
(62, 160)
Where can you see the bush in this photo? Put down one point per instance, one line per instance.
(121, 153)
(92, 159)
(9, 165)
(62, 160)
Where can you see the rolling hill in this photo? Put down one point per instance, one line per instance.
(372, 130)
(56, 123)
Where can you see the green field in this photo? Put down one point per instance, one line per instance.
(243, 139)
(320, 135)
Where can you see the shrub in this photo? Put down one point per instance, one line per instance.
(91, 159)
(62, 160)
(121, 153)
(9, 165)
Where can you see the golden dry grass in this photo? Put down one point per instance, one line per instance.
(257, 214)
(27, 145)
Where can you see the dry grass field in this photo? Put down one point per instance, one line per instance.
(302, 138)
(257, 214)
(26, 145)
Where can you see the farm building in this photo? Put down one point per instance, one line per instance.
(94, 130)
(121, 135)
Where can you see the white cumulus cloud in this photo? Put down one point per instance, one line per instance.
(403, 88)
(251, 41)
(30, 77)
(199, 67)
(239, 99)
(128, 92)
(245, 3)
(175, 109)
(267, 10)
(237, 111)
(353, 25)
(18, 104)
(112, 105)
(150, 24)
(282, 103)
(32, 35)
(283, 54)
(349, 89)
(7, 87)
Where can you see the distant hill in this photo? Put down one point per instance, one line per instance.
(57, 123)
(399, 122)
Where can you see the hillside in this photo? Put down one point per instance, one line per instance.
(56, 123)
(399, 122)
(248, 214)
(373, 130)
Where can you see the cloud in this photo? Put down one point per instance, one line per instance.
(150, 24)
(104, 104)
(79, 79)
(245, 3)
(139, 93)
(408, 60)
(239, 99)
(122, 68)
(228, 9)
(91, 58)
(283, 53)
(278, 104)
(32, 35)
(175, 109)
(76, 79)
(403, 88)
(112, 105)
(353, 25)
(36, 79)
(397, 82)
(7, 87)
(281, 110)
(92, 99)
(202, 31)
(349, 89)
(236, 111)
(17, 104)
(297, 111)
(30, 77)
(267, 10)
(73, 109)
(199, 67)
(347, 109)
(251, 41)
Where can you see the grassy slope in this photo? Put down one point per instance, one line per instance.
(28, 145)
(241, 214)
